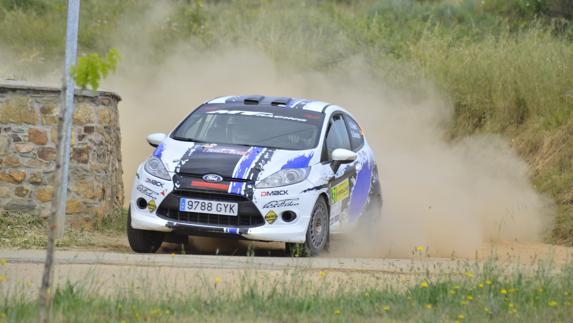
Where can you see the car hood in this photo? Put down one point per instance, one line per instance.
(232, 162)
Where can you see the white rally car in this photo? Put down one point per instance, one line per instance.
(259, 168)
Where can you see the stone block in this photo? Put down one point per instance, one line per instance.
(4, 144)
(24, 147)
(11, 161)
(20, 206)
(17, 110)
(73, 206)
(47, 153)
(105, 116)
(13, 176)
(22, 191)
(36, 178)
(81, 155)
(37, 136)
(4, 191)
(84, 114)
(45, 194)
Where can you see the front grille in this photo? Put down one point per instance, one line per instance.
(249, 216)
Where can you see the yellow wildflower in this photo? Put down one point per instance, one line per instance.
(464, 302)
(470, 298)
(488, 282)
(337, 312)
(322, 274)
(424, 284)
(503, 292)
(461, 317)
(420, 248)
(469, 274)
(217, 280)
(429, 306)
(552, 303)
(386, 308)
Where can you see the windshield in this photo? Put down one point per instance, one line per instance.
(280, 128)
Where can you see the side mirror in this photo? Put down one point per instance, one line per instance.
(155, 139)
(342, 155)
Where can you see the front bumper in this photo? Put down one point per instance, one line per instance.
(249, 224)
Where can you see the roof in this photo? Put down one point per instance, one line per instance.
(24, 86)
(274, 101)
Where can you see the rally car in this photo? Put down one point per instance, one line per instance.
(260, 168)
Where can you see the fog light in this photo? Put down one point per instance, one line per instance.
(141, 203)
(288, 216)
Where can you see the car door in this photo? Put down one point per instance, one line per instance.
(361, 182)
(339, 185)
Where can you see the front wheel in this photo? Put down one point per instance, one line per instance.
(317, 234)
(143, 241)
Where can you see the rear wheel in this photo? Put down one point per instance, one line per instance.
(143, 241)
(317, 234)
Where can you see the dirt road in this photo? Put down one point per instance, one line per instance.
(105, 271)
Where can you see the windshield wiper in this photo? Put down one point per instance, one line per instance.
(187, 139)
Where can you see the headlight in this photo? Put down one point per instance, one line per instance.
(155, 167)
(284, 177)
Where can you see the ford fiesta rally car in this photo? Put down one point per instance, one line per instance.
(258, 168)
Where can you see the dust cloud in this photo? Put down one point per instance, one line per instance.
(448, 196)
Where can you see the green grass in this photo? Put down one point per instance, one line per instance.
(492, 294)
(506, 65)
(26, 231)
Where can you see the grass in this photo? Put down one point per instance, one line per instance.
(506, 65)
(490, 294)
(26, 231)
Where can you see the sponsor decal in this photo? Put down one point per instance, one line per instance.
(274, 193)
(281, 203)
(154, 182)
(213, 178)
(271, 217)
(151, 206)
(340, 191)
(223, 150)
(257, 114)
(216, 186)
(146, 191)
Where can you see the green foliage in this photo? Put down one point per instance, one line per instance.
(493, 294)
(92, 69)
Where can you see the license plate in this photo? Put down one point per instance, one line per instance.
(210, 207)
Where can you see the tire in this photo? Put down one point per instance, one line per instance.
(143, 241)
(317, 234)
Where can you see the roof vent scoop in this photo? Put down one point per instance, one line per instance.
(255, 99)
(280, 101)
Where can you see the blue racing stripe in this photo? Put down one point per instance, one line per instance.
(243, 168)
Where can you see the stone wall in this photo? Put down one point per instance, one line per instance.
(28, 138)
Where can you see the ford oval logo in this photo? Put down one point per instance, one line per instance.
(213, 178)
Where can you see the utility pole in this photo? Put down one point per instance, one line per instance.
(58, 210)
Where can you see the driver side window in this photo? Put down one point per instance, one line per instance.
(337, 136)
